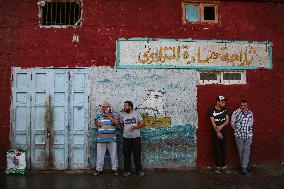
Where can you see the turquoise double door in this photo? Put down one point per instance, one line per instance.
(50, 117)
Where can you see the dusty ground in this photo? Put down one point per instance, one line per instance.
(259, 177)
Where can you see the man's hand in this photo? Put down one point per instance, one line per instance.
(107, 111)
(219, 135)
(98, 125)
(219, 128)
(132, 128)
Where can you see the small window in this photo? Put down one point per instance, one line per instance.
(222, 77)
(191, 13)
(209, 77)
(209, 13)
(233, 78)
(200, 12)
(60, 13)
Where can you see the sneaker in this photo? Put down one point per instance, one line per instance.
(140, 173)
(97, 173)
(244, 171)
(217, 170)
(115, 173)
(225, 170)
(126, 174)
(249, 168)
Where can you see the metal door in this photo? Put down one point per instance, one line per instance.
(57, 117)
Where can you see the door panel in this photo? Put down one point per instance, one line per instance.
(58, 139)
(40, 105)
(79, 132)
(20, 111)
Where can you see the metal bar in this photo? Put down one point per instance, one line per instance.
(56, 13)
(60, 22)
(79, 12)
(51, 15)
(74, 15)
(42, 19)
(46, 14)
(65, 5)
(69, 14)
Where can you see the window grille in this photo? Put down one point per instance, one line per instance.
(60, 13)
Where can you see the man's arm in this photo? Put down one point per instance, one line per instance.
(219, 135)
(98, 125)
(224, 124)
(213, 123)
(233, 120)
(140, 123)
(112, 119)
(138, 126)
(252, 120)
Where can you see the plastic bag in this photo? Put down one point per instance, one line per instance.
(16, 161)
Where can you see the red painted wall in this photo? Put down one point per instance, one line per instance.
(24, 44)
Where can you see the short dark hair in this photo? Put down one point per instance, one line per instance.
(129, 104)
(243, 101)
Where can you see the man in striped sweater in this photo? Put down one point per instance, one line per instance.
(106, 138)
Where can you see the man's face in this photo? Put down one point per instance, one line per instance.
(104, 108)
(127, 108)
(244, 106)
(221, 103)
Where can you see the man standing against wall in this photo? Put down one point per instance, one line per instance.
(219, 119)
(242, 122)
(132, 122)
(106, 139)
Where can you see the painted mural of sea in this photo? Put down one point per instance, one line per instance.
(172, 147)
(169, 147)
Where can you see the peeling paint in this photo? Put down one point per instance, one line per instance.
(168, 100)
(157, 121)
(49, 135)
(193, 54)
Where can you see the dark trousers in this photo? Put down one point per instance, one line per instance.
(132, 146)
(219, 148)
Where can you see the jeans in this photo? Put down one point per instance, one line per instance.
(243, 146)
(132, 146)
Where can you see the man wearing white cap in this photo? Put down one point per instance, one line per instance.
(219, 119)
(106, 138)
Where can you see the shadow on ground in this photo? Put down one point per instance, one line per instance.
(260, 177)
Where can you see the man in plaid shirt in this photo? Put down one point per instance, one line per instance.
(242, 122)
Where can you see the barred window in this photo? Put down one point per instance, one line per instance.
(60, 13)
